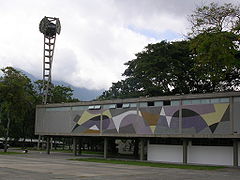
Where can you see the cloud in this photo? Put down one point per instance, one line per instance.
(97, 36)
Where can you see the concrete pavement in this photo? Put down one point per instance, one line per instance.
(40, 166)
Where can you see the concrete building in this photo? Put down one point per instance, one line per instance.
(196, 128)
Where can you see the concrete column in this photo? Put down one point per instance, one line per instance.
(141, 149)
(235, 153)
(79, 146)
(185, 147)
(48, 145)
(75, 146)
(105, 148)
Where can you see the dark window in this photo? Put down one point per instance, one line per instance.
(166, 103)
(119, 105)
(150, 103)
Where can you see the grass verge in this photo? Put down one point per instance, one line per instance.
(9, 153)
(150, 164)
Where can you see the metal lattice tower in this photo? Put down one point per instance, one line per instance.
(49, 26)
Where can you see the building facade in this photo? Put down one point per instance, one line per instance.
(200, 128)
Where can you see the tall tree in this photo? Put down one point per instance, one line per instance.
(160, 69)
(16, 101)
(215, 39)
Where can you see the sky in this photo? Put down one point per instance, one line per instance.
(97, 37)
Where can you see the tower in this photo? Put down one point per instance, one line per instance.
(50, 27)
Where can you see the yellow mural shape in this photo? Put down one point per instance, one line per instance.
(215, 117)
(151, 118)
(107, 113)
(86, 116)
(152, 128)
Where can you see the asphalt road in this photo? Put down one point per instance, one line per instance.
(40, 166)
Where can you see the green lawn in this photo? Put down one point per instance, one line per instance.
(151, 164)
(9, 153)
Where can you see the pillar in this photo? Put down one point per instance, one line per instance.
(105, 148)
(75, 146)
(79, 146)
(48, 145)
(235, 153)
(142, 149)
(185, 147)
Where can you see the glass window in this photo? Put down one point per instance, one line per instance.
(215, 100)
(90, 107)
(205, 101)
(126, 105)
(186, 102)
(143, 104)
(196, 101)
(175, 103)
(133, 105)
(112, 106)
(158, 103)
(224, 100)
(59, 109)
(97, 107)
(79, 108)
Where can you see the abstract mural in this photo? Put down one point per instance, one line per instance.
(195, 119)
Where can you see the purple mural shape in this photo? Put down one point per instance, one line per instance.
(174, 123)
(137, 122)
(192, 119)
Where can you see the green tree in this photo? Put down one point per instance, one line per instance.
(160, 69)
(59, 93)
(16, 101)
(208, 61)
(214, 41)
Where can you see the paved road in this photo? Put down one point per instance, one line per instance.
(40, 166)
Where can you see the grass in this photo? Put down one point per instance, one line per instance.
(9, 153)
(150, 164)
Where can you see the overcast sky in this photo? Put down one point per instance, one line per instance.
(97, 37)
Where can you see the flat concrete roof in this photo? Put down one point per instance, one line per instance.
(145, 99)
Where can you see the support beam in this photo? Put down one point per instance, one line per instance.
(48, 145)
(141, 149)
(105, 148)
(185, 147)
(235, 153)
(75, 146)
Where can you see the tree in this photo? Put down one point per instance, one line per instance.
(208, 61)
(214, 41)
(214, 18)
(160, 69)
(16, 101)
(59, 93)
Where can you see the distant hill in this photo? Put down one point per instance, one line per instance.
(82, 94)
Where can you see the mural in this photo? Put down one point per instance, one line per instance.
(200, 119)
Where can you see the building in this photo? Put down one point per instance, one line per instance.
(195, 128)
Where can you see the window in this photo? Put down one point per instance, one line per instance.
(175, 103)
(79, 108)
(126, 105)
(224, 100)
(236, 99)
(150, 103)
(166, 103)
(119, 105)
(92, 107)
(196, 101)
(133, 105)
(59, 109)
(186, 102)
(143, 104)
(158, 103)
(205, 101)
